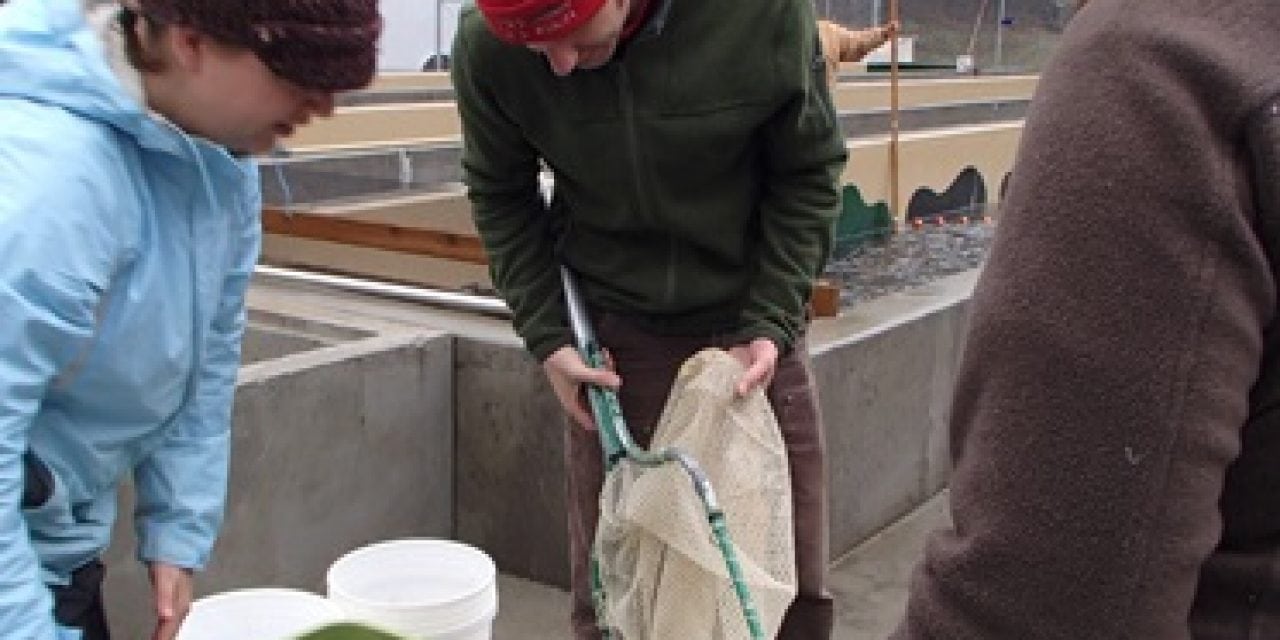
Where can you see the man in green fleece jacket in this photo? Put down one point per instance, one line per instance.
(1116, 424)
(696, 160)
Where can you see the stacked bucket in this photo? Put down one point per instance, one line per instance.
(415, 589)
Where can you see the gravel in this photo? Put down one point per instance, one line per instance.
(909, 258)
(903, 260)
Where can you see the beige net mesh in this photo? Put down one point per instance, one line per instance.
(663, 575)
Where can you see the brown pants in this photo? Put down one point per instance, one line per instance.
(648, 366)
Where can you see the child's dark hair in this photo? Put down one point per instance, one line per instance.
(135, 49)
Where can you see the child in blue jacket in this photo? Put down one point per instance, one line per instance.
(128, 231)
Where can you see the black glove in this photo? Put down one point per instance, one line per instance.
(37, 482)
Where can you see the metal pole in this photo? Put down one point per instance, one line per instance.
(876, 11)
(437, 59)
(977, 24)
(454, 300)
(894, 124)
(1000, 34)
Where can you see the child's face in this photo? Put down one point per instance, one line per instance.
(233, 99)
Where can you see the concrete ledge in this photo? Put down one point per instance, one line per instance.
(417, 187)
(393, 96)
(914, 91)
(360, 173)
(411, 80)
(385, 168)
(950, 114)
(436, 86)
(391, 121)
(929, 159)
(272, 336)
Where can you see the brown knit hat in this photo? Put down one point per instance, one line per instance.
(328, 45)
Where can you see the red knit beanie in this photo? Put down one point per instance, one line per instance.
(329, 45)
(524, 21)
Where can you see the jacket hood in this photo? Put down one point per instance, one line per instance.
(50, 52)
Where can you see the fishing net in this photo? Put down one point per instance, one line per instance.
(663, 575)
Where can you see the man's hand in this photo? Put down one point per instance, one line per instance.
(567, 373)
(760, 358)
(172, 588)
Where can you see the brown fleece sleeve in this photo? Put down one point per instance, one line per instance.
(829, 41)
(1116, 334)
(846, 45)
(855, 45)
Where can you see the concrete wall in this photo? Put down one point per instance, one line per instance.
(886, 395)
(914, 92)
(930, 159)
(419, 432)
(511, 473)
(333, 448)
(412, 80)
(393, 170)
(933, 159)
(366, 125)
(885, 372)
(378, 171)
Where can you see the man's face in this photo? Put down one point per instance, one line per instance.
(590, 46)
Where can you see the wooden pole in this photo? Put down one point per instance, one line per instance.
(893, 115)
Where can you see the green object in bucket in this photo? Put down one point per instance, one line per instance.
(349, 631)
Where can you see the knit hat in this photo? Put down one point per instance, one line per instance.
(524, 21)
(328, 45)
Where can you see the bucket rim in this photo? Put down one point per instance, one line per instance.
(488, 581)
(247, 591)
(205, 609)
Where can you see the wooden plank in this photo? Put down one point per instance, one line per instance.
(824, 303)
(375, 235)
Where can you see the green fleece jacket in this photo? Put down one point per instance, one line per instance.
(696, 174)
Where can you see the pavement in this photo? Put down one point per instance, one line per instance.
(869, 584)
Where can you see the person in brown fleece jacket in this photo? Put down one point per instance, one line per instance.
(1116, 424)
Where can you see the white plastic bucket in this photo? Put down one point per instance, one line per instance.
(424, 589)
(260, 614)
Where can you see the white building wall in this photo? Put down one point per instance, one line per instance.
(411, 30)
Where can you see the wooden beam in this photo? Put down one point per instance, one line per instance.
(375, 235)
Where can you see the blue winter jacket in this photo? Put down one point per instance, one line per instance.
(125, 251)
